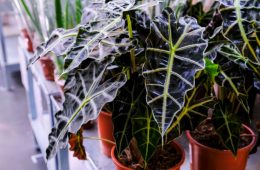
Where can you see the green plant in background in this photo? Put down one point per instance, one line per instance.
(66, 16)
(154, 72)
(67, 19)
(31, 8)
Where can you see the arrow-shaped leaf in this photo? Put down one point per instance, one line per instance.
(174, 55)
(127, 103)
(85, 95)
(241, 26)
(146, 132)
(231, 76)
(195, 110)
(227, 125)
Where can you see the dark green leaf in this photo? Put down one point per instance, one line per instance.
(127, 103)
(78, 10)
(227, 125)
(241, 25)
(197, 104)
(146, 132)
(174, 55)
(59, 15)
(232, 77)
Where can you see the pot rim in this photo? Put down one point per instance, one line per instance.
(248, 147)
(178, 147)
(106, 113)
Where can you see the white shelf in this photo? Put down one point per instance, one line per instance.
(41, 134)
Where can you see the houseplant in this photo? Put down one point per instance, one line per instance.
(234, 48)
(105, 45)
(118, 53)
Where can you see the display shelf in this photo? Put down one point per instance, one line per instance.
(40, 132)
(38, 92)
(9, 60)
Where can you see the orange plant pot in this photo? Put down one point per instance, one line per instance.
(205, 158)
(48, 68)
(27, 40)
(105, 131)
(175, 145)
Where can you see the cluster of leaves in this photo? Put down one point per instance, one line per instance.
(157, 73)
(233, 45)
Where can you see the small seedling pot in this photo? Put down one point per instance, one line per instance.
(105, 131)
(178, 148)
(204, 158)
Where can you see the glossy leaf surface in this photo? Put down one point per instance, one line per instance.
(125, 106)
(241, 26)
(174, 55)
(227, 126)
(146, 132)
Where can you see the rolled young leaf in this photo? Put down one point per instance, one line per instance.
(85, 96)
(174, 55)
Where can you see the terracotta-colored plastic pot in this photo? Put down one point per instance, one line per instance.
(206, 158)
(120, 166)
(48, 68)
(27, 40)
(105, 131)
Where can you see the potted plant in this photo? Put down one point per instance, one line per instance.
(151, 70)
(223, 141)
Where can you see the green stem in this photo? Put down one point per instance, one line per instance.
(97, 138)
(132, 51)
(59, 17)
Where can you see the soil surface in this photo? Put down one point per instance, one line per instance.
(206, 135)
(163, 159)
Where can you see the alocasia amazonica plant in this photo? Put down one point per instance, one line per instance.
(152, 70)
(237, 42)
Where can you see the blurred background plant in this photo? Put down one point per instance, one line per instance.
(42, 17)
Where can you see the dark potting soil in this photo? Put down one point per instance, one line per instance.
(163, 159)
(206, 135)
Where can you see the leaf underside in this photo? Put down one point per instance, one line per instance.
(76, 145)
